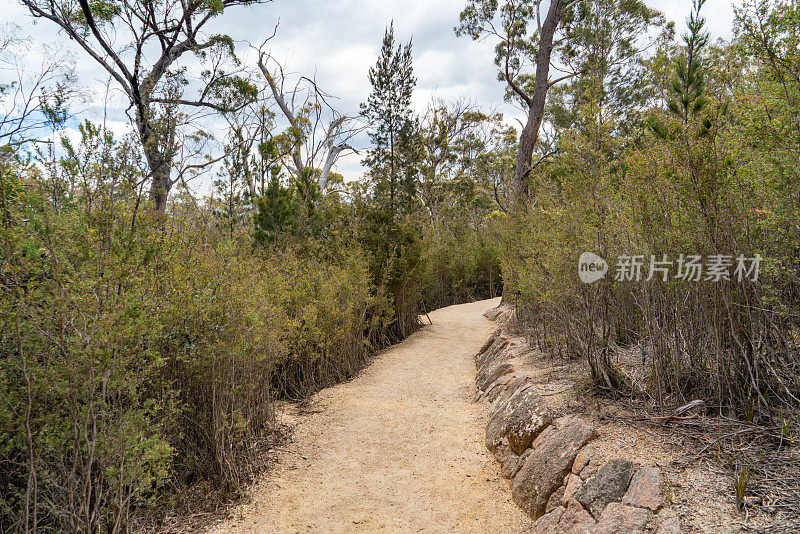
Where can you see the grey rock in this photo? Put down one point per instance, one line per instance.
(553, 452)
(491, 374)
(498, 387)
(495, 348)
(620, 519)
(490, 341)
(520, 463)
(608, 485)
(645, 490)
(517, 384)
(521, 418)
(500, 402)
(548, 523)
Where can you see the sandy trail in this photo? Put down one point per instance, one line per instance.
(398, 449)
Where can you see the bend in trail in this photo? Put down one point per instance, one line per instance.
(397, 449)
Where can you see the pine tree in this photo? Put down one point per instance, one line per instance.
(688, 96)
(689, 86)
(276, 211)
(388, 110)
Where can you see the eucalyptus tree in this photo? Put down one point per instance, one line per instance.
(317, 133)
(250, 154)
(604, 51)
(520, 47)
(144, 45)
(455, 137)
(36, 84)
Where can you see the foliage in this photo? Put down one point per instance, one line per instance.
(140, 355)
(689, 85)
(603, 57)
(711, 175)
(388, 108)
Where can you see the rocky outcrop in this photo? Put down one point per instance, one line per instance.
(646, 489)
(551, 459)
(518, 419)
(607, 486)
(554, 472)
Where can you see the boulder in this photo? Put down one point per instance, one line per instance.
(608, 485)
(494, 349)
(502, 400)
(571, 486)
(620, 519)
(668, 522)
(520, 463)
(493, 313)
(507, 316)
(489, 375)
(519, 420)
(507, 459)
(548, 523)
(490, 341)
(575, 520)
(582, 460)
(498, 387)
(645, 490)
(544, 469)
(517, 382)
(501, 353)
(556, 499)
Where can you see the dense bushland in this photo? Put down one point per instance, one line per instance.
(709, 169)
(142, 353)
(146, 332)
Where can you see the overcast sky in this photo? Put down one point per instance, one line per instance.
(338, 40)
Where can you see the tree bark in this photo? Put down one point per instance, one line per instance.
(160, 182)
(333, 153)
(530, 133)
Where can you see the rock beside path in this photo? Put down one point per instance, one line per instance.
(608, 485)
(557, 478)
(544, 470)
(520, 419)
(645, 490)
(620, 519)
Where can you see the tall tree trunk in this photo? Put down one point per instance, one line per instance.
(333, 153)
(160, 181)
(530, 133)
(158, 148)
(160, 173)
(391, 164)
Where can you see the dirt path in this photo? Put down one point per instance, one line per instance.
(398, 449)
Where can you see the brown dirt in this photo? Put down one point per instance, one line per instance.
(397, 449)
